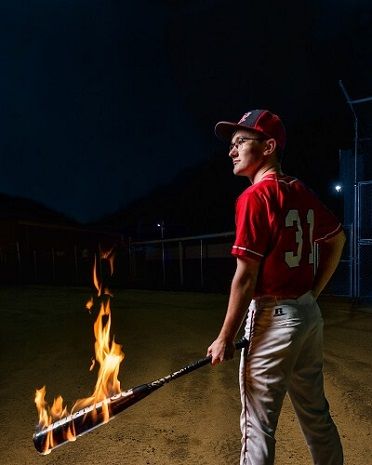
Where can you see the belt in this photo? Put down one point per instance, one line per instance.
(273, 300)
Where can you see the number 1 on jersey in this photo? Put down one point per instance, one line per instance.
(293, 259)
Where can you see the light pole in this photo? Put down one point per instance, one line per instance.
(355, 229)
(161, 225)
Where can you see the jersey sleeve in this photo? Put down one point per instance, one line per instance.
(327, 224)
(252, 227)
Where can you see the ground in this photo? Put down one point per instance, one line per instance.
(47, 338)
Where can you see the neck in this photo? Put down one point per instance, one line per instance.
(272, 168)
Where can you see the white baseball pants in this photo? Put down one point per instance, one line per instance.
(285, 354)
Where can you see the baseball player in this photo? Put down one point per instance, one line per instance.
(278, 220)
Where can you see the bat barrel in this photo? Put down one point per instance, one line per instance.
(78, 423)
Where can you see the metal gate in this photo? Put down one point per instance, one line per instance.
(362, 196)
(365, 239)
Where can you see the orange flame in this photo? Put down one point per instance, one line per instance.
(89, 304)
(96, 282)
(110, 256)
(108, 354)
(41, 405)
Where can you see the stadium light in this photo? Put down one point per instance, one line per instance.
(161, 225)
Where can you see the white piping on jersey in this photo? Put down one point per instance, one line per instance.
(269, 178)
(247, 250)
(329, 234)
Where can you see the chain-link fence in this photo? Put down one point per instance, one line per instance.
(365, 239)
(189, 263)
(33, 253)
(358, 200)
(205, 263)
(202, 263)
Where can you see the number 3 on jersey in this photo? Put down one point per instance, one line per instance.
(293, 259)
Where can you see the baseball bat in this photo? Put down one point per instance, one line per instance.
(85, 420)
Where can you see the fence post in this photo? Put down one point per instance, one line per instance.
(53, 265)
(76, 264)
(201, 263)
(131, 260)
(180, 257)
(163, 261)
(34, 254)
(19, 263)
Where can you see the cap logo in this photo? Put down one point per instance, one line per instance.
(245, 116)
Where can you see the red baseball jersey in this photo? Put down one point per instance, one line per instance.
(278, 220)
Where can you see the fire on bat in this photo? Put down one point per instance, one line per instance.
(108, 356)
(56, 425)
(89, 418)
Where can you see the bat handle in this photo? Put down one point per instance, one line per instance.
(199, 363)
(238, 345)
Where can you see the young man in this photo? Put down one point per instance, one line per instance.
(278, 220)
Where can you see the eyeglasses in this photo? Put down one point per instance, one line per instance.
(240, 141)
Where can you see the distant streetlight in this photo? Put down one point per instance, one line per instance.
(338, 188)
(161, 225)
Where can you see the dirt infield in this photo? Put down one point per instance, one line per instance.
(47, 338)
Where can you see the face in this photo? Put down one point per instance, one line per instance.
(246, 152)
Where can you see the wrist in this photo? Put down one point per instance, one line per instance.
(225, 338)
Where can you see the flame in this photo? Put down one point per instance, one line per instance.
(45, 416)
(41, 406)
(70, 435)
(108, 292)
(110, 256)
(108, 355)
(89, 304)
(96, 282)
(57, 410)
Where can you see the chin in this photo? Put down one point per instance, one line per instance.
(238, 172)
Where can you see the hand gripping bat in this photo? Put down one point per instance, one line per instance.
(85, 420)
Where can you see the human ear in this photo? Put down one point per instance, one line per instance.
(270, 146)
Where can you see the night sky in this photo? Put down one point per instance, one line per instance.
(102, 101)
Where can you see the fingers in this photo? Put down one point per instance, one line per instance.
(214, 360)
(216, 356)
(220, 351)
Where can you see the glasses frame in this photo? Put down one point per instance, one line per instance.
(240, 141)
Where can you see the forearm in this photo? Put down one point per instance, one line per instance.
(242, 288)
(241, 294)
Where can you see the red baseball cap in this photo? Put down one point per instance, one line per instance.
(262, 121)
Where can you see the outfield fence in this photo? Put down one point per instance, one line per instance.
(194, 263)
(199, 263)
(205, 263)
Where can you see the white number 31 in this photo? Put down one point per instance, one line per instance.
(293, 258)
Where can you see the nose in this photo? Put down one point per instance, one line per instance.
(233, 152)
